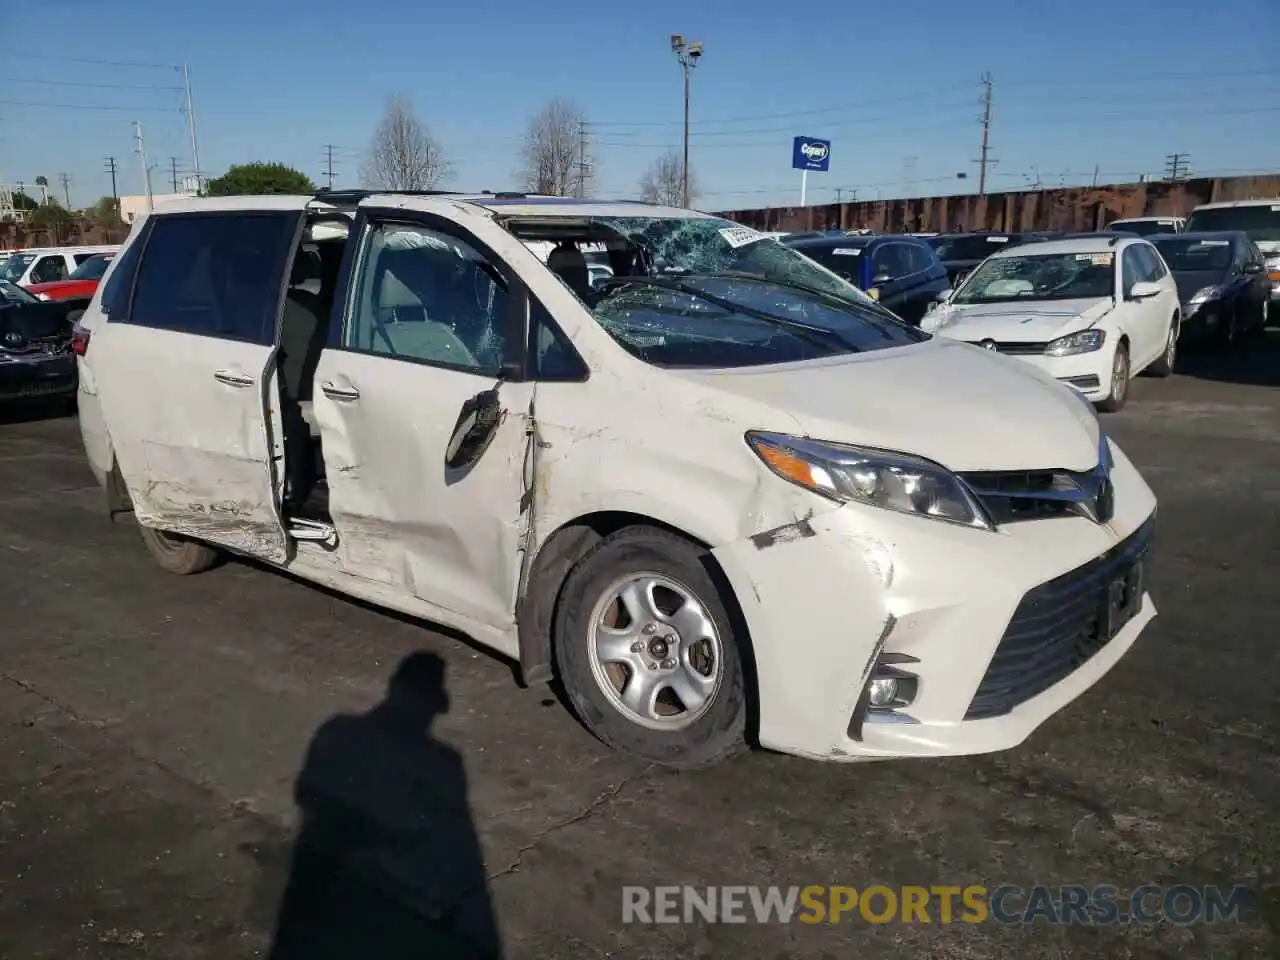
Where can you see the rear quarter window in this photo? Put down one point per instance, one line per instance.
(119, 283)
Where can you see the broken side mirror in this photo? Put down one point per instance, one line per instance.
(474, 431)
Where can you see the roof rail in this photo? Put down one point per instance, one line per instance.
(356, 195)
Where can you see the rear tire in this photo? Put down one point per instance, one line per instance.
(178, 554)
(641, 611)
(1119, 394)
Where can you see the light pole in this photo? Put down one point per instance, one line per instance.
(688, 54)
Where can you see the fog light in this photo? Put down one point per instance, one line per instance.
(882, 691)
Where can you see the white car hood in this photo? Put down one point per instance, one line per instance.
(1268, 247)
(1035, 322)
(958, 405)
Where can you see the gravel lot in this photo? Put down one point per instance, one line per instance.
(152, 729)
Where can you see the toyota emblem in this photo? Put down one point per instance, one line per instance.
(989, 345)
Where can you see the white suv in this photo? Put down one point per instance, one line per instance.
(1092, 312)
(705, 493)
(46, 265)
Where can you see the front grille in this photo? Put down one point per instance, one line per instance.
(1055, 629)
(1010, 496)
(1013, 349)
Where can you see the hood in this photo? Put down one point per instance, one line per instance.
(1189, 281)
(20, 323)
(54, 286)
(1017, 322)
(961, 406)
(1268, 247)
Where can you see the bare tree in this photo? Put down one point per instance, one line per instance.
(403, 154)
(663, 183)
(554, 157)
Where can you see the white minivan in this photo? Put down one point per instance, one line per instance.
(706, 494)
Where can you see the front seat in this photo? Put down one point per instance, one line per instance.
(567, 262)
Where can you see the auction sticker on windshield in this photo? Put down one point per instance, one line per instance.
(845, 252)
(1214, 243)
(1097, 259)
(740, 236)
(997, 239)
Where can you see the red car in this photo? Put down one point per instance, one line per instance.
(79, 286)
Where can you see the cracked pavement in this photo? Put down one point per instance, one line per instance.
(152, 729)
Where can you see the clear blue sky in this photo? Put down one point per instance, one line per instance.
(895, 86)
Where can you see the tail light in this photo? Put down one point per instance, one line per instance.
(79, 340)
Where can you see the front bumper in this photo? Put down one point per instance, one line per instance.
(821, 599)
(1090, 373)
(34, 377)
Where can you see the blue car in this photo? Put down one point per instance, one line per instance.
(902, 272)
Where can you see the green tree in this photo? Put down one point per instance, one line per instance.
(50, 216)
(259, 178)
(42, 181)
(105, 213)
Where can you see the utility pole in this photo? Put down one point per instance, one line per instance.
(985, 161)
(111, 169)
(1096, 168)
(140, 148)
(173, 173)
(1177, 166)
(65, 178)
(582, 160)
(191, 128)
(688, 55)
(328, 164)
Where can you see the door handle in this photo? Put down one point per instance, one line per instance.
(232, 379)
(334, 392)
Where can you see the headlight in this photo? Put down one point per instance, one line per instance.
(1205, 294)
(42, 296)
(1086, 341)
(880, 478)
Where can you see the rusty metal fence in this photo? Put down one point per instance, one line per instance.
(1060, 208)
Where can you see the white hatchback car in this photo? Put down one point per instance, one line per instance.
(706, 497)
(1092, 312)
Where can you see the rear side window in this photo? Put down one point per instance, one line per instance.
(215, 275)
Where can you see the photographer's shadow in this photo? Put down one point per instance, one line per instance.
(387, 864)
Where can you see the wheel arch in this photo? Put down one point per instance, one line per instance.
(563, 550)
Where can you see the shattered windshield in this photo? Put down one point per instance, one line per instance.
(710, 293)
(1055, 276)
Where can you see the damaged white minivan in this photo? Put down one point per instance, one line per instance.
(721, 495)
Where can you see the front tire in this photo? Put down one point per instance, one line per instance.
(1115, 400)
(648, 653)
(1163, 367)
(178, 554)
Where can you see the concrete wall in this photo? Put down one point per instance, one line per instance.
(1061, 208)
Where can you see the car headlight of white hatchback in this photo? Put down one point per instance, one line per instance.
(879, 478)
(1085, 341)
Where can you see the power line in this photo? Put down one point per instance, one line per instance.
(90, 85)
(618, 125)
(1055, 121)
(98, 63)
(81, 106)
